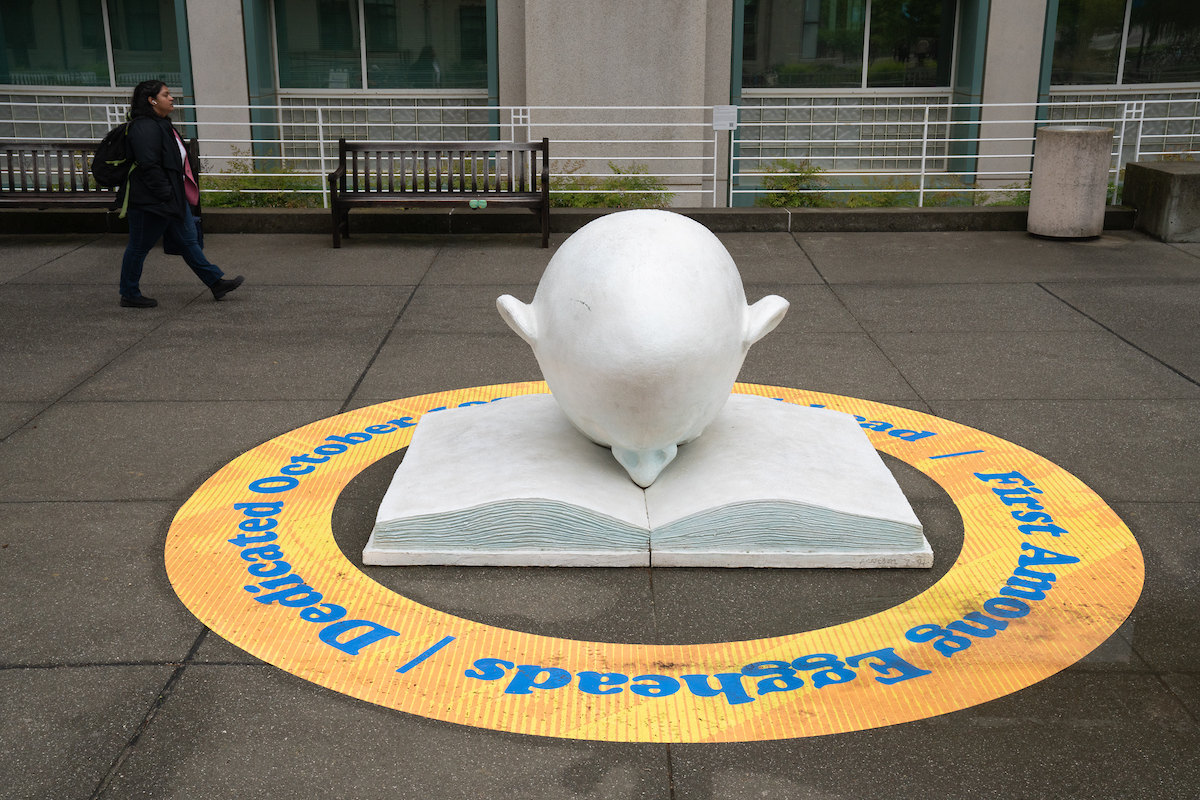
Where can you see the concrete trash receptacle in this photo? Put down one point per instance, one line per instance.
(1070, 181)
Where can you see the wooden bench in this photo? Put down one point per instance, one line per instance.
(37, 174)
(422, 174)
(51, 175)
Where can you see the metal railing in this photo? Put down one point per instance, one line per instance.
(649, 153)
(901, 150)
(890, 150)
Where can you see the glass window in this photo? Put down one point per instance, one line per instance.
(417, 44)
(819, 44)
(409, 44)
(63, 43)
(805, 43)
(145, 41)
(1087, 41)
(907, 39)
(317, 41)
(53, 44)
(1164, 42)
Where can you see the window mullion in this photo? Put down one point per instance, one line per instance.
(954, 45)
(274, 48)
(866, 53)
(108, 45)
(362, 39)
(1124, 42)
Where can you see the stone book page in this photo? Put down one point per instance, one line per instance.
(509, 483)
(768, 484)
(770, 477)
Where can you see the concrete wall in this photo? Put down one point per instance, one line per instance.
(623, 53)
(510, 56)
(718, 58)
(1012, 69)
(618, 52)
(219, 77)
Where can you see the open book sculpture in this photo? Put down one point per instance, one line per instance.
(769, 484)
(640, 325)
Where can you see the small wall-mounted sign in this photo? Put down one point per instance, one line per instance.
(725, 118)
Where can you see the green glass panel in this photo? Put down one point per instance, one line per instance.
(426, 44)
(318, 44)
(1087, 42)
(803, 43)
(912, 43)
(53, 43)
(145, 42)
(1164, 42)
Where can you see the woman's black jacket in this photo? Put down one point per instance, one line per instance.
(156, 183)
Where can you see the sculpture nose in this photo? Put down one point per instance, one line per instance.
(645, 465)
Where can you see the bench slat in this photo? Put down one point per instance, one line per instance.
(46, 175)
(506, 172)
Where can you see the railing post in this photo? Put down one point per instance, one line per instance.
(924, 152)
(1120, 151)
(321, 146)
(717, 152)
(1139, 110)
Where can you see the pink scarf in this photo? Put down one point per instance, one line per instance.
(190, 187)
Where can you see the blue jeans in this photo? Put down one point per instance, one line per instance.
(145, 229)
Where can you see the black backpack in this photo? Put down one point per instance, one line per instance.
(113, 160)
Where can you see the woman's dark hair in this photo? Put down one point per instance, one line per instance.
(139, 103)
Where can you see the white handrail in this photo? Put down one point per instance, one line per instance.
(922, 144)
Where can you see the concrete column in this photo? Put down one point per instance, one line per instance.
(1011, 73)
(625, 53)
(510, 38)
(718, 66)
(615, 53)
(219, 78)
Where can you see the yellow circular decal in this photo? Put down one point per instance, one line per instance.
(1047, 572)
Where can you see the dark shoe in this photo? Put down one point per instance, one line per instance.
(224, 287)
(141, 301)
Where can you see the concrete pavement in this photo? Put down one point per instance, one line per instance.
(1086, 353)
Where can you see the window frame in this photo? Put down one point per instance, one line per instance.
(862, 90)
(1119, 85)
(74, 89)
(364, 90)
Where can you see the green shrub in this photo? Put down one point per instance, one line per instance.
(882, 192)
(1013, 194)
(628, 187)
(285, 187)
(792, 184)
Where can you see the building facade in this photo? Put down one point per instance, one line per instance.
(854, 86)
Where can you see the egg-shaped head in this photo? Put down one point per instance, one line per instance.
(640, 326)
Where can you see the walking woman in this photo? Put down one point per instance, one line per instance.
(162, 191)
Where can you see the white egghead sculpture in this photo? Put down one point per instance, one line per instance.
(640, 326)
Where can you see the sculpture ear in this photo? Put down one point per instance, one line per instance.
(762, 317)
(519, 317)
